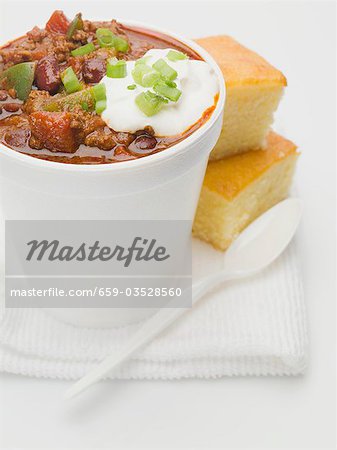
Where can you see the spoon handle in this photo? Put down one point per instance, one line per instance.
(152, 327)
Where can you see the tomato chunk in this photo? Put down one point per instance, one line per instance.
(58, 23)
(53, 131)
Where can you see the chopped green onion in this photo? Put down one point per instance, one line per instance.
(174, 55)
(84, 50)
(106, 38)
(150, 78)
(85, 106)
(171, 83)
(139, 71)
(70, 81)
(132, 87)
(99, 92)
(121, 45)
(150, 103)
(116, 68)
(165, 70)
(76, 24)
(172, 93)
(100, 106)
(145, 75)
(142, 60)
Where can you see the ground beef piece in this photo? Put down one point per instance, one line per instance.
(21, 50)
(113, 25)
(103, 53)
(62, 47)
(125, 138)
(85, 122)
(92, 131)
(35, 101)
(89, 129)
(15, 55)
(28, 49)
(103, 138)
(14, 121)
(37, 34)
(81, 36)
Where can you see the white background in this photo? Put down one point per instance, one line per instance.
(298, 38)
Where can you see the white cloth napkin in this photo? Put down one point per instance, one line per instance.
(249, 327)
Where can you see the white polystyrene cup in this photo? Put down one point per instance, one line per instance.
(163, 186)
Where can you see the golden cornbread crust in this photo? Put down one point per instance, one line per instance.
(228, 177)
(240, 65)
(254, 89)
(240, 188)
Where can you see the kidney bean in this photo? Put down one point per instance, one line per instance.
(147, 130)
(143, 144)
(47, 75)
(93, 70)
(11, 107)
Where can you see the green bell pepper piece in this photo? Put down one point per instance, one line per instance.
(19, 77)
(84, 98)
(76, 24)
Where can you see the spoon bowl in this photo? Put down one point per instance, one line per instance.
(264, 239)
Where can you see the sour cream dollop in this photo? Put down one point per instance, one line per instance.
(196, 79)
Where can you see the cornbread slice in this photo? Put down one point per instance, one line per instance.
(253, 91)
(238, 189)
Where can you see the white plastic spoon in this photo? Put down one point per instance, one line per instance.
(256, 247)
